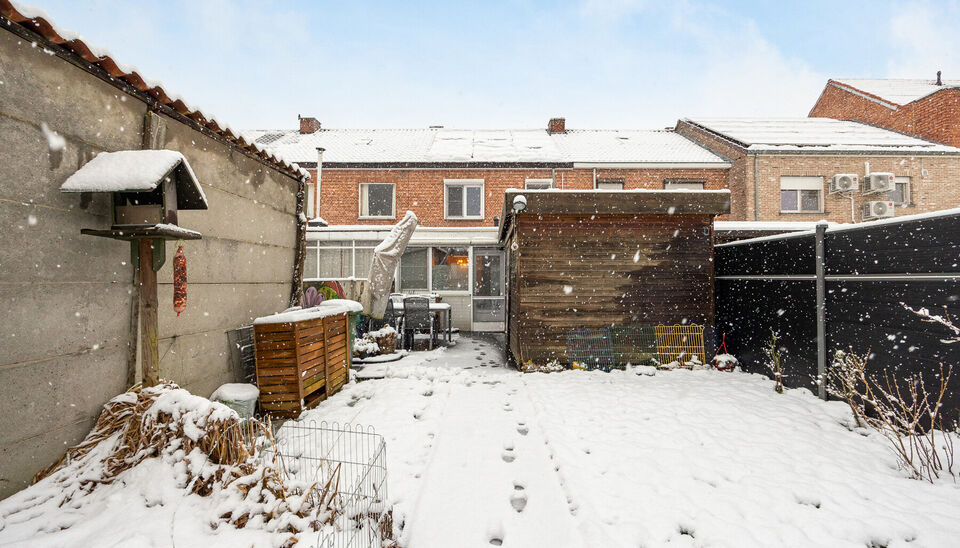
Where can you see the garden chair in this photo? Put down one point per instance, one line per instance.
(417, 318)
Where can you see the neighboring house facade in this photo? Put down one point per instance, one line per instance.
(455, 180)
(782, 167)
(69, 301)
(925, 108)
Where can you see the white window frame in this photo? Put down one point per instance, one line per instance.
(798, 183)
(613, 181)
(341, 245)
(678, 184)
(528, 182)
(447, 183)
(360, 215)
(899, 180)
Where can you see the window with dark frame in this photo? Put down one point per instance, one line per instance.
(800, 194)
(464, 199)
(900, 195)
(377, 200)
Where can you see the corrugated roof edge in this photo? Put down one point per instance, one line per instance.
(71, 47)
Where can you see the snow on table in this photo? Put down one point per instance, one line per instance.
(478, 452)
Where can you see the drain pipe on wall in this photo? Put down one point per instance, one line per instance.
(594, 177)
(756, 187)
(315, 206)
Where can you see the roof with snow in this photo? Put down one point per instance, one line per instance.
(138, 171)
(898, 91)
(816, 135)
(494, 146)
(35, 24)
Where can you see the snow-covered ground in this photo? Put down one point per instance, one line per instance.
(480, 455)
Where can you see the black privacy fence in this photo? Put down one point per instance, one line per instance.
(866, 271)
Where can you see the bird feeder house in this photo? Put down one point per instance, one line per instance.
(148, 188)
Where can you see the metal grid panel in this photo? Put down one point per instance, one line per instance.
(591, 348)
(679, 343)
(633, 344)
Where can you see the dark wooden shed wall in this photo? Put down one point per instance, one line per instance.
(671, 280)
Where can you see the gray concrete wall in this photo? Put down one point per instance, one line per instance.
(66, 299)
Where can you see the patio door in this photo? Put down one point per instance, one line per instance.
(488, 303)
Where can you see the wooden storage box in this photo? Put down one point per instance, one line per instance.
(301, 362)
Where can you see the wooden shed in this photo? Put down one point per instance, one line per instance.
(596, 259)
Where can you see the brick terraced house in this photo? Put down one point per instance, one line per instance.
(455, 180)
(925, 108)
(785, 169)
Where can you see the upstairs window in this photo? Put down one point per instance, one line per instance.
(538, 184)
(377, 200)
(609, 184)
(463, 199)
(673, 184)
(801, 194)
(900, 195)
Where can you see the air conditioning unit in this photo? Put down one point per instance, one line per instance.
(878, 210)
(876, 183)
(844, 182)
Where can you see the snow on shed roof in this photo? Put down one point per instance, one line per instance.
(138, 171)
(71, 44)
(898, 91)
(441, 145)
(816, 135)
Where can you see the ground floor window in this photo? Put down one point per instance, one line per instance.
(801, 194)
(413, 269)
(450, 269)
(900, 195)
(337, 260)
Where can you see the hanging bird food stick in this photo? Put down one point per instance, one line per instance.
(179, 280)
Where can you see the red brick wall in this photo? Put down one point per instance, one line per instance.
(935, 117)
(421, 190)
(740, 176)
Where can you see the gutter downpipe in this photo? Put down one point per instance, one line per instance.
(756, 186)
(594, 177)
(316, 205)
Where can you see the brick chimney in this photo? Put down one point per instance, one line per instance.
(308, 124)
(557, 125)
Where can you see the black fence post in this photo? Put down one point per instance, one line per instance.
(821, 312)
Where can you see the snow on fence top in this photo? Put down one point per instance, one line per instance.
(326, 308)
(840, 227)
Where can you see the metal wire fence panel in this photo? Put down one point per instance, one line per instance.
(590, 348)
(680, 343)
(348, 463)
(633, 344)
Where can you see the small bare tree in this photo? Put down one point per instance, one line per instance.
(775, 360)
(905, 412)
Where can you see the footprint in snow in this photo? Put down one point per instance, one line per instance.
(519, 498)
(522, 429)
(508, 456)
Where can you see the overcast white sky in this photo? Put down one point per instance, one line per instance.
(599, 63)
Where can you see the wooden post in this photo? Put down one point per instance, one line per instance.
(149, 352)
